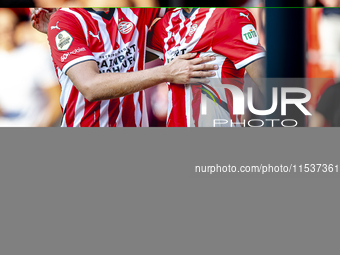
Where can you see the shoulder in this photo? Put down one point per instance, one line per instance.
(71, 20)
(69, 15)
(62, 13)
(234, 15)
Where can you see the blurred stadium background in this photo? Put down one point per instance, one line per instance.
(39, 102)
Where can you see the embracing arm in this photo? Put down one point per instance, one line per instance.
(257, 73)
(97, 86)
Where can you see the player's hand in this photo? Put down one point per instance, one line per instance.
(40, 18)
(186, 69)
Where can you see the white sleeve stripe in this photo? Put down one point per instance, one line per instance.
(158, 53)
(247, 61)
(77, 61)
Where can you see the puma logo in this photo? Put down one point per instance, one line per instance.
(55, 27)
(96, 36)
(243, 15)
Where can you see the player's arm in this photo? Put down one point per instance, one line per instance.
(237, 39)
(100, 86)
(257, 73)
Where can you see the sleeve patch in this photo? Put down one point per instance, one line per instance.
(249, 35)
(63, 40)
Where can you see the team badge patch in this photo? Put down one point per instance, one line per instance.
(193, 29)
(249, 35)
(63, 40)
(125, 27)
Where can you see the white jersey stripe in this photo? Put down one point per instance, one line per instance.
(177, 35)
(166, 46)
(79, 111)
(145, 120)
(81, 20)
(77, 61)
(249, 60)
(103, 31)
(138, 113)
(104, 113)
(169, 103)
(130, 15)
(66, 87)
(119, 120)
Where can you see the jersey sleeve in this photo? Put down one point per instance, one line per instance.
(156, 36)
(67, 41)
(237, 39)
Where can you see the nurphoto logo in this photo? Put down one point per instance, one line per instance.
(239, 103)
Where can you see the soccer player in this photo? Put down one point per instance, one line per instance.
(99, 57)
(228, 34)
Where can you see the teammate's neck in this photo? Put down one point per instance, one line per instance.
(188, 10)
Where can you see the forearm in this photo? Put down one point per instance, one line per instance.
(256, 71)
(114, 85)
(97, 86)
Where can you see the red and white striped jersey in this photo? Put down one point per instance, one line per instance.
(116, 41)
(228, 34)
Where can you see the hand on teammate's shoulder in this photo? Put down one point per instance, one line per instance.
(40, 18)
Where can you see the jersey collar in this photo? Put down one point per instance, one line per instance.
(102, 14)
(188, 15)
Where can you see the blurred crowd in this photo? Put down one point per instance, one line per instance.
(29, 91)
(323, 62)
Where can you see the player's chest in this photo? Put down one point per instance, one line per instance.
(112, 37)
(116, 46)
(190, 35)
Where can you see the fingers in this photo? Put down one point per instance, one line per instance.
(204, 67)
(202, 74)
(35, 12)
(203, 60)
(188, 55)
